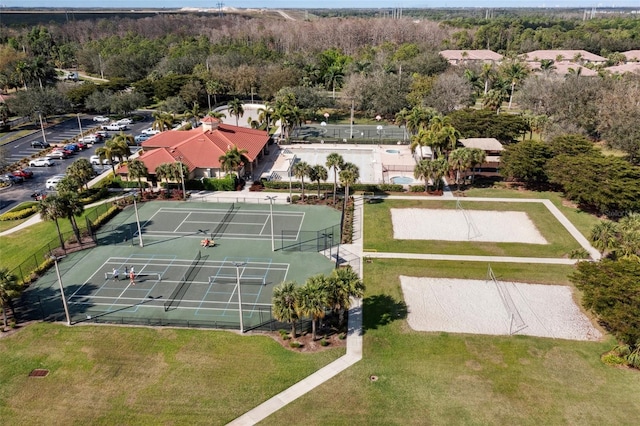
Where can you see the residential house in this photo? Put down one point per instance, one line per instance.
(561, 56)
(493, 150)
(456, 57)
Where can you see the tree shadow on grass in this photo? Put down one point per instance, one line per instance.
(382, 309)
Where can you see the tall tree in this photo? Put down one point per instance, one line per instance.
(301, 170)
(318, 173)
(236, 109)
(71, 208)
(50, 209)
(285, 304)
(343, 284)
(313, 300)
(9, 290)
(231, 160)
(348, 176)
(82, 171)
(335, 162)
(137, 170)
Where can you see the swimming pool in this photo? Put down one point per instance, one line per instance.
(402, 180)
(392, 151)
(364, 158)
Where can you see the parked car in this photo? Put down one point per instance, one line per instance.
(141, 138)
(72, 147)
(114, 127)
(53, 182)
(10, 178)
(89, 139)
(82, 145)
(58, 154)
(23, 173)
(151, 131)
(95, 160)
(125, 121)
(40, 162)
(101, 119)
(101, 134)
(39, 144)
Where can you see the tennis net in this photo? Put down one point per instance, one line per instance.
(183, 284)
(224, 222)
(233, 280)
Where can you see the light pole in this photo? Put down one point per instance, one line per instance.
(79, 124)
(184, 193)
(44, 137)
(64, 299)
(238, 265)
(271, 199)
(135, 207)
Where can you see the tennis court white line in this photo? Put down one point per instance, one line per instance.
(183, 221)
(239, 212)
(264, 225)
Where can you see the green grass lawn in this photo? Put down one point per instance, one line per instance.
(378, 230)
(443, 378)
(8, 224)
(19, 246)
(582, 220)
(118, 375)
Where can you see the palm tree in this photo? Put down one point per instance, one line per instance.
(348, 176)
(137, 170)
(217, 114)
(476, 156)
(514, 72)
(459, 160)
(313, 300)
(115, 148)
(9, 290)
(493, 100)
(604, 236)
(194, 113)
(487, 74)
(50, 209)
(231, 160)
(318, 173)
(236, 109)
(334, 76)
(342, 285)
(301, 170)
(82, 171)
(335, 162)
(285, 304)
(162, 121)
(71, 206)
(265, 117)
(212, 87)
(629, 237)
(165, 171)
(546, 66)
(423, 170)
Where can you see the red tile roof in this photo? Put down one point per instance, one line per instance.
(202, 148)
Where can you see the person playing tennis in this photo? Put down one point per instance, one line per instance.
(132, 277)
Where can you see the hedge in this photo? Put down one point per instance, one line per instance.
(20, 212)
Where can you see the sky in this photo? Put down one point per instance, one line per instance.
(307, 4)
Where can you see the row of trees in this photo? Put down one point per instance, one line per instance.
(603, 184)
(319, 294)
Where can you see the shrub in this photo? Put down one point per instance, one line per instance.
(324, 342)
(295, 344)
(342, 336)
(612, 359)
(227, 183)
(19, 213)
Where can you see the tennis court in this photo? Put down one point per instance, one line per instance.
(179, 282)
(168, 286)
(227, 223)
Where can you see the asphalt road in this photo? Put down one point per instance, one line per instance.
(21, 148)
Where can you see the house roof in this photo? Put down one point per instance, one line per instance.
(632, 55)
(625, 68)
(202, 147)
(485, 144)
(567, 55)
(471, 55)
(153, 159)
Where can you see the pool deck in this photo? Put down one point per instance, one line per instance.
(384, 165)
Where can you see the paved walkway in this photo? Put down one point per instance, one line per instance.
(353, 355)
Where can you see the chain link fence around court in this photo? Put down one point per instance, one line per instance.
(358, 133)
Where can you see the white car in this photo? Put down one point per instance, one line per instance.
(101, 119)
(53, 182)
(125, 121)
(58, 155)
(150, 131)
(95, 160)
(40, 162)
(114, 127)
(89, 139)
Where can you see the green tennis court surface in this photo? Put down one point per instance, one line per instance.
(178, 282)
